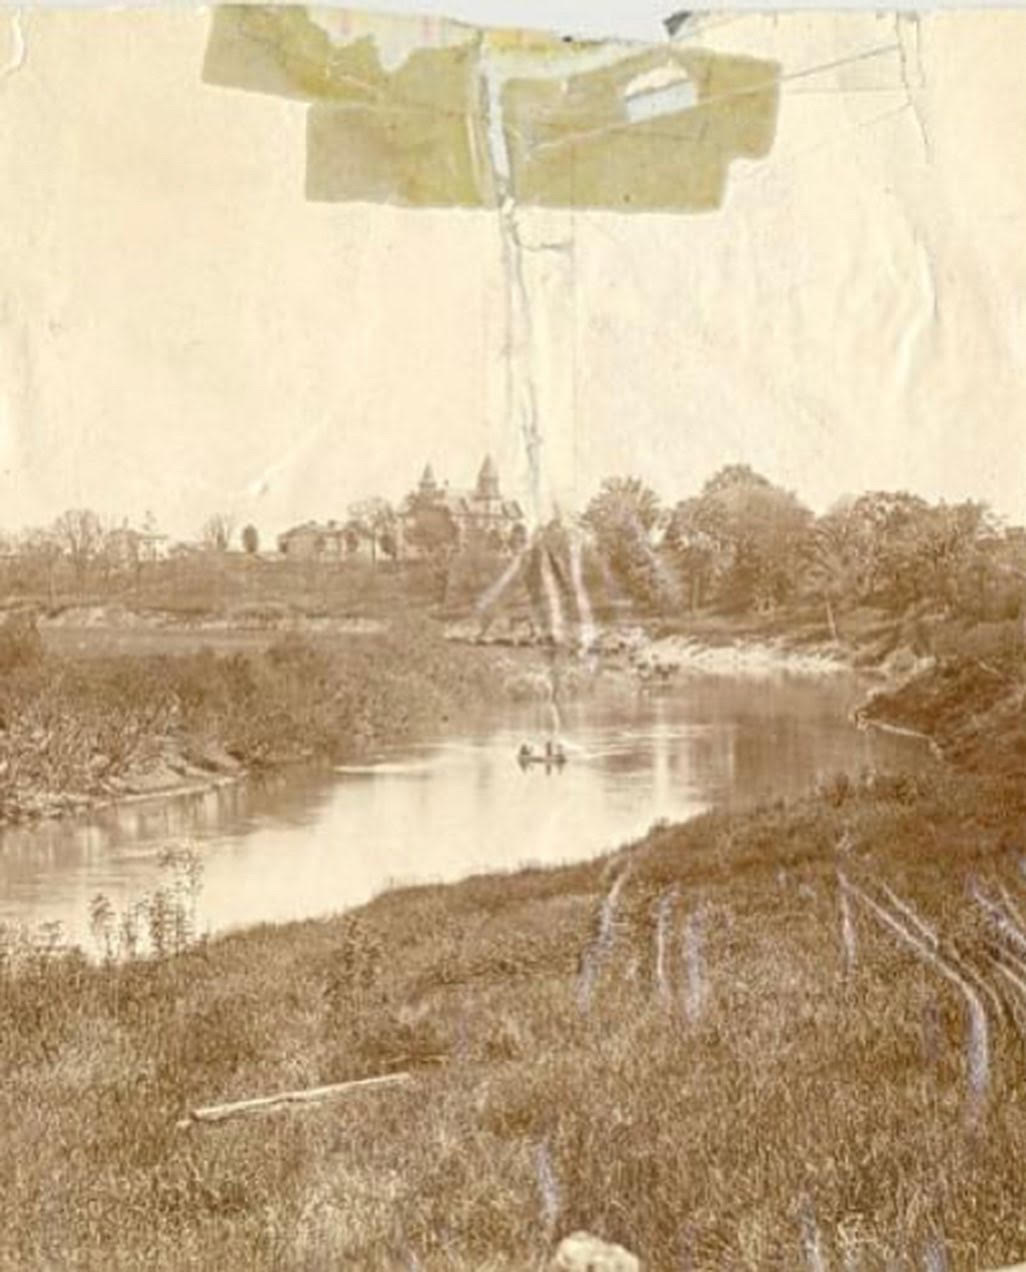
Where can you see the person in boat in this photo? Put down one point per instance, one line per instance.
(525, 754)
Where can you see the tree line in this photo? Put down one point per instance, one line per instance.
(742, 543)
(89, 548)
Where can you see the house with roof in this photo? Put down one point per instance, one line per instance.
(313, 541)
(126, 546)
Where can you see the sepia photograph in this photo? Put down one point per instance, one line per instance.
(512, 639)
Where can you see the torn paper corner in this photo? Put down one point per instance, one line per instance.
(434, 113)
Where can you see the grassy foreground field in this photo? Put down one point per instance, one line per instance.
(791, 1038)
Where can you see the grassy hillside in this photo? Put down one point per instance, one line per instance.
(736, 1043)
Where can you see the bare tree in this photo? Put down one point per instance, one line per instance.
(374, 520)
(217, 531)
(110, 553)
(41, 549)
(80, 534)
(123, 552)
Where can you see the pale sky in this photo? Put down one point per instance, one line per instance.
(180, 331)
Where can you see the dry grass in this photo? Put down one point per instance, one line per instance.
(250, 589)
(739, 1092)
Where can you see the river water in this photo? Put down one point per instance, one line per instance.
(305, 843)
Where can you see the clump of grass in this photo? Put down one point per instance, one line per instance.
(161, 923)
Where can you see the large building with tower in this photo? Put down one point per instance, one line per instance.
(482, 512)
(432, 515)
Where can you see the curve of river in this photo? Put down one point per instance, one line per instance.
(302, 843)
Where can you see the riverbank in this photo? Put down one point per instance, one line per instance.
(76, 733)
(792, 640)
(970, 710)
(717, 1044)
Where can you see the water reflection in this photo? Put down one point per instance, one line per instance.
(302, 843)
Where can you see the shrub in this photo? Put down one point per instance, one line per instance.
(20, 642)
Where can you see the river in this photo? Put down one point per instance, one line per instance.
(303, 843)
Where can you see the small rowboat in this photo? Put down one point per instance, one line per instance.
(555, 759)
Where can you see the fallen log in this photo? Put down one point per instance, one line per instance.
(865, 722)
(264, 1103)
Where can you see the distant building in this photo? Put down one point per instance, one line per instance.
(127, 547)
(482, 512)
(314, 542)
(184, 549)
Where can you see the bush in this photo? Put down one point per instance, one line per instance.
(20, 642)
(991, 640)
